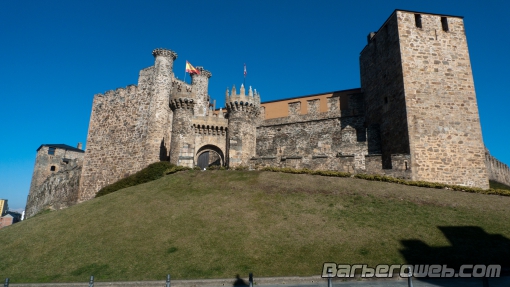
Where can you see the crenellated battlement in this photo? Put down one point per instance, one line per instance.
(210, 120)
(210, 125)
(203, 72)
(164, 52)
(180, 86)
(181, 102)
(241, 101)
(118, 95)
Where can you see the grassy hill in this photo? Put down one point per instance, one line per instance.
(215, 224)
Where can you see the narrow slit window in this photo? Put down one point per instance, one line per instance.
(405, 165)
(417, 20)
(444, 23)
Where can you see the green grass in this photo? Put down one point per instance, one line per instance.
(216, 224)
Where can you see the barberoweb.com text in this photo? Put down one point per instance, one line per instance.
(330, 270)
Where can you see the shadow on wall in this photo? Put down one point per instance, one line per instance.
(469, 245)
(163, 152)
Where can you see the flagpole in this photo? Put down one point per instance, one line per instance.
(185, 73)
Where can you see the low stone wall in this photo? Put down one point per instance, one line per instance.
(497, 170)
(58, 191)
(358, 163)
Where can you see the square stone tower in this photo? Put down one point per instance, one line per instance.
(418, 85)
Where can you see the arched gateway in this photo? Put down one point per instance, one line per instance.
(210, 155)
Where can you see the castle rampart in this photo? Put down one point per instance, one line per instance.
(497, 170)
(116, 132)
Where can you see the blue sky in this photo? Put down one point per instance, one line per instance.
(55, 55)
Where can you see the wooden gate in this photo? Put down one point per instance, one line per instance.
(203, 160)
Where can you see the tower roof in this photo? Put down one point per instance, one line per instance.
(62, 146)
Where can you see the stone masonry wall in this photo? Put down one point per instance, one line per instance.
(58, 191)
(44, 162)
(444, 127)
(497, 170)
(117, 135)
(383, 88)
(210, 131)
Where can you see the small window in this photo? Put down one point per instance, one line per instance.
(444, 23)
(385, 100)
(52, 168)
(417, 20)
(405, 165)
(51, 150)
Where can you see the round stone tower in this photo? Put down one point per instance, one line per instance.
(159, 111)
(182, 150)
(200, 83)
(242, 114)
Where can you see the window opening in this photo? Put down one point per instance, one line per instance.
(417, 20)
(444, 23)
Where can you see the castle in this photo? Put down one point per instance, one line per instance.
(415, 117)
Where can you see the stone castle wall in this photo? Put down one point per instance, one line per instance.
(497, 170)
(59, 190)
(383, 89)
(332, 140)
(117, 135)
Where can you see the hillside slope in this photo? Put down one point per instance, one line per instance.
(216, 224)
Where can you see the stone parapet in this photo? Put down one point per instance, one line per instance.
(213, 120)
(241, 101)
(165, 53)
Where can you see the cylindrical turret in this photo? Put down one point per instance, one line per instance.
(159, 112)
(243, 111)
(200, 83)
(183, 140)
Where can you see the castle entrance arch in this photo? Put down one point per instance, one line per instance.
(210, 155)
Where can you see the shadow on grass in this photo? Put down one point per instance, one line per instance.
(240, 282)
(468, 245)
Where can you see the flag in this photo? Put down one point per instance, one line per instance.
(190, 69)
(245, 70)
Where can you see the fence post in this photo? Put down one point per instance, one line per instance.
(485, 281)
(6, 284)
(330, 282)
(251, 279)
(91, 282)
(167, 280)
(410, 278)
